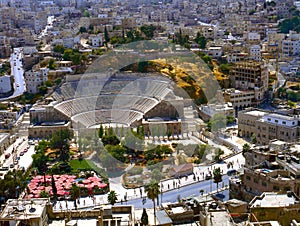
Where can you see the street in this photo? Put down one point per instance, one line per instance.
(18, 72)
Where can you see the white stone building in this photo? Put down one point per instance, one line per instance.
(34, 79)
(96, 40)
(255, 53)
(5, 84)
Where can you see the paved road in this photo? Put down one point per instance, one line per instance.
(25, 159)
(49, 25)
(183, 192)
(18, 73)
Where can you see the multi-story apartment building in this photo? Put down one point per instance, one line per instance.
(291, 45)
(239, 99)
(268, 126)
(254, 52)
(34, 79)
(267, 170)
(250, 76)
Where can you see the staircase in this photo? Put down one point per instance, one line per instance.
(190, 120)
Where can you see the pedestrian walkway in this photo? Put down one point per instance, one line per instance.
(124, 194)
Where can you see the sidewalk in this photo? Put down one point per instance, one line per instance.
(166, 185)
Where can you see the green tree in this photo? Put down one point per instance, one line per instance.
(144, 219)
(44, 194)
(230, 120)
(224, 68)
(76, 58)
(290, 24)
(218, 154)
(60, 140)
(117, 151)
(252, 11)
(75, 192)
(13, 184)
(246, 148)
(54, 189)
(152, 190)
(67, 54)
(253, 138)
(217, 122)
(52, 64)
(49, 83)
(101, 131)
(59, 49)
(110, 139)
(217, 176)
(82, 30)
(106, 36)
(148, 30)
(200, 40)
(112, 197)
(86, 13)
(43, 90)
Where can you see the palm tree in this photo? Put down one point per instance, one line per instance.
(152, 189)
(75, 192)
(112, 197)
(217, 176)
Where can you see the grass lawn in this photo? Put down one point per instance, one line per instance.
(80, 165)
(84, 165)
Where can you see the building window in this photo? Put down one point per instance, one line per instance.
(275, 188)
(276, 120)
(283, 122)
(255, 180)
(248, 177)
(269, 119)
(264, 184)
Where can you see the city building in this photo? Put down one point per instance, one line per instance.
(96, 40)
(268, 126)
(34, 79)
(207, 111)
(291, 45)
(25, 211)
(268, 170)
(250, 75)
(239, 98)
(5, 84)
(46, 129)
(271, 206)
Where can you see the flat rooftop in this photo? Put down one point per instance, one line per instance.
(23, 209)
(256, 113)
(219, 218)
(80, 222)
(272, 199)
(279, 116)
